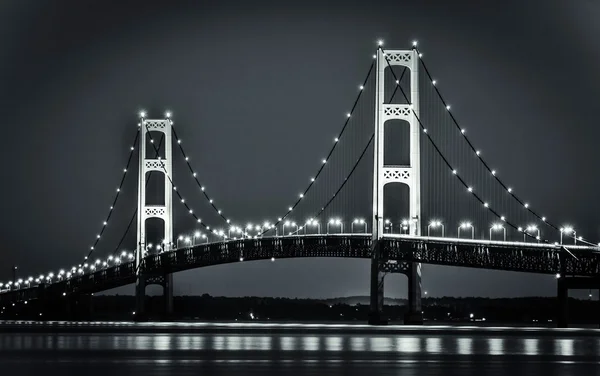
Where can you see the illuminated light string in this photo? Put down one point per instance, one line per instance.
(312, 180)
(174, 187)
(336, 140)
(125, 170)
(115, 255)
(356, 163)
(340, 188)
(478, 153)
(62, 273)
(195, 177)
(360, 157)
(325, 160)
(454, 172)
(133, 216)
(80, 269)
(361, 87)
(347, 177)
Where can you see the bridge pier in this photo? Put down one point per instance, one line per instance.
(380, 266)
(140, 298)
(168, 295)
(376, 292)
(562, 319)
(414, 316)
(166, 282)
(563, 285)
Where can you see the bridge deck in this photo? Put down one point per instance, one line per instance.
(581, 261)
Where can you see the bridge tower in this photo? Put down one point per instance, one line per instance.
(146, 211)
(396, 174)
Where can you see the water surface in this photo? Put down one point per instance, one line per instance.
(274, 349)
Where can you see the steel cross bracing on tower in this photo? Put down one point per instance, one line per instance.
(383, 174)
(146, 211)
(388, 251)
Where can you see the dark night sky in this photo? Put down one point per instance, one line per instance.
(257, 89)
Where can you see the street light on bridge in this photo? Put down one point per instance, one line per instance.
(359, 221)
(435, 224)
(314, 223)
(289, 224)
(337, 222)
(236, 230)
(268, 226)
(530, 229)
(498, 227)
(568, 230)
(404, 226)
(466, 225)
(387, 224)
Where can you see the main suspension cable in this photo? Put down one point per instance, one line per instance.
(493, 172)
(454, 172)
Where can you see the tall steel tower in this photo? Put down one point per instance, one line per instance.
(146, 211)
(392, 174)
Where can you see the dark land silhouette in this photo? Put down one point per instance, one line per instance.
(525, 311)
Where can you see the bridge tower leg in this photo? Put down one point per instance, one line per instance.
(405, 174)
(163, 211)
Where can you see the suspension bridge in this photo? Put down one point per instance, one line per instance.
(402, 185)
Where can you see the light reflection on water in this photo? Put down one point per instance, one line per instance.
(258, 350)
(264, 342)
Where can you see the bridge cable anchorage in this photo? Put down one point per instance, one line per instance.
(322, 166)
(174, 187)
(482, 160)
(447, 163)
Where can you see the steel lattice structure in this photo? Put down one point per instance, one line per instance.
(396, 251)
